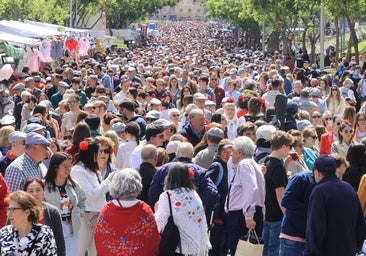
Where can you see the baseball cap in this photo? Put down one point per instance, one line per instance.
(265, 132)
(325, 164)
(155, 101)
(153, 114)
(315, 92)
(292, 107)
(33, 138)
(162, 122)
(63, 84)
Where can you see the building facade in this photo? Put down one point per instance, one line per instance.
(184, 10)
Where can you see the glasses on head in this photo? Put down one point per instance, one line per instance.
(105, 151)
(316, 117)
(71, 102)
(13, 209)
(67, 137)
(347, 131)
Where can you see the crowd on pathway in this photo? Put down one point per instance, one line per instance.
(99, 151)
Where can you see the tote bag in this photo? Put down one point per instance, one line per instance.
(246, 248)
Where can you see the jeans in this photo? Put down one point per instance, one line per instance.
(291, 248)
(218, 239)
(271, 233)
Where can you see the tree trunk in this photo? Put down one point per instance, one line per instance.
(353, 38)
(336, 25)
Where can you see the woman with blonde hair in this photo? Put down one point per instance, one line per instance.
(359, 127)
(4, 139)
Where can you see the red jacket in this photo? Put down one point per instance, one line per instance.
(326, 141)
(4, 192)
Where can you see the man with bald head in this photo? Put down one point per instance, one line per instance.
(149, 157)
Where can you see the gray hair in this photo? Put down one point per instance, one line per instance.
(245, 145)
(126, 184)
(185, 149)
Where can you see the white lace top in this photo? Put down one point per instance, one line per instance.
(189, 216)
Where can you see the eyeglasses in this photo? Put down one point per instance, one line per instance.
(71, 102)
(347, 131)
(175, 115)
(315, 96)
(316, 117)
(105, 151)
(334, 89)
(67, 137)
(13, 209)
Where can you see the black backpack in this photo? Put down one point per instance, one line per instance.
(170, 237)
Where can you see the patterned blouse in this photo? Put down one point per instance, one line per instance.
(39, 242)
(189, 216)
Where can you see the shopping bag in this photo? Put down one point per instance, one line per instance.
(246, 248)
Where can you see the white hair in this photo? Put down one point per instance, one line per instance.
(245, 145)
(185, 149)
(126, 184)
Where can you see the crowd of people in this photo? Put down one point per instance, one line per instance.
(91, 145)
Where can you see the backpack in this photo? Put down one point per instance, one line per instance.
(170, 237)
(221, 173)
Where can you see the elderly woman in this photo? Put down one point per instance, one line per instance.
(23, 236)
(232, 120)
(187, 209)
(126, 225)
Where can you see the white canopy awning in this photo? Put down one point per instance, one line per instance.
(55, 27)
(26, 30)
(17, 40)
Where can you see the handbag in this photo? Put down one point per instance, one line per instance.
(91, 219)
(170, 237)
(246, 248)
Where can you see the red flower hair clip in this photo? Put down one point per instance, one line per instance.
(208, 97)
(241, 96)
(345, 121)
(207, 127)
(111, 150)
(261, 101)
(190, 173)
(83, 145)
(153, 95)
(230, 100)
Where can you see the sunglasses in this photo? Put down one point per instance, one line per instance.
(347, 131)
(314, 137)
(316, 117)
(328, 118)
(71, 102)
(105, 151)
(175, 115)
(67, 137)
(338, 124)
